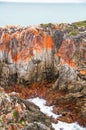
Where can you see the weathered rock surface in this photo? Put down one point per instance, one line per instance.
(19, 114)
(33, 54)
(52, 53)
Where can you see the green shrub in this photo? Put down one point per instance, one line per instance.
(46, 25)
(74, 33)
(80, 23)
(15, 114)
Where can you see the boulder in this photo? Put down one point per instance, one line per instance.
(67, 76)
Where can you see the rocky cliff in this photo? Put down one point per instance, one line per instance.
(37, 53)
(47, 52)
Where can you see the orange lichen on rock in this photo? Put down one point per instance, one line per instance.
(5, 38)
(37, 47)
(69, 62)
(48, 42)
(15, 57)
(65, 53)
(1, 47)
(36, 33)
(16, 35)
(83, 72)
(25, 54)
(44, 62)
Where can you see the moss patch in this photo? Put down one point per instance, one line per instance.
(73, 32)
(47, 25)
(80, 23)
(15, 113)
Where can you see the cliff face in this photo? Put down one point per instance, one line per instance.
(48, 52)
(37, 53)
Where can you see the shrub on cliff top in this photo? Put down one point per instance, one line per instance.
(73, 32)
(80, 23)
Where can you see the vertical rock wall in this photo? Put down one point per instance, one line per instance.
(34, 54)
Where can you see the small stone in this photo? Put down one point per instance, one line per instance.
(1, 89)
(12, 127)
(14, 94)
(18, 108)
(9, 117)
(3, 117)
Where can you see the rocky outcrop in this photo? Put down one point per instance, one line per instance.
(19, 114)
(47, 52)
(33, 54)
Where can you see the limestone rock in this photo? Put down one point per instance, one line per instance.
(32, 54)
(50, 52)
(66, 76)
(16, 113)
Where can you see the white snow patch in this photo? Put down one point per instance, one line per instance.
(67, 126)
(41, 103)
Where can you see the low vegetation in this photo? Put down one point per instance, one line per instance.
(80, 23)
(73, 32)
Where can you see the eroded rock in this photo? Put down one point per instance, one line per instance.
(32, 49)
(52, 53)
(16, 113)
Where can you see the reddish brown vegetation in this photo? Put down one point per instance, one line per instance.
(36, 89)
(69, 110)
